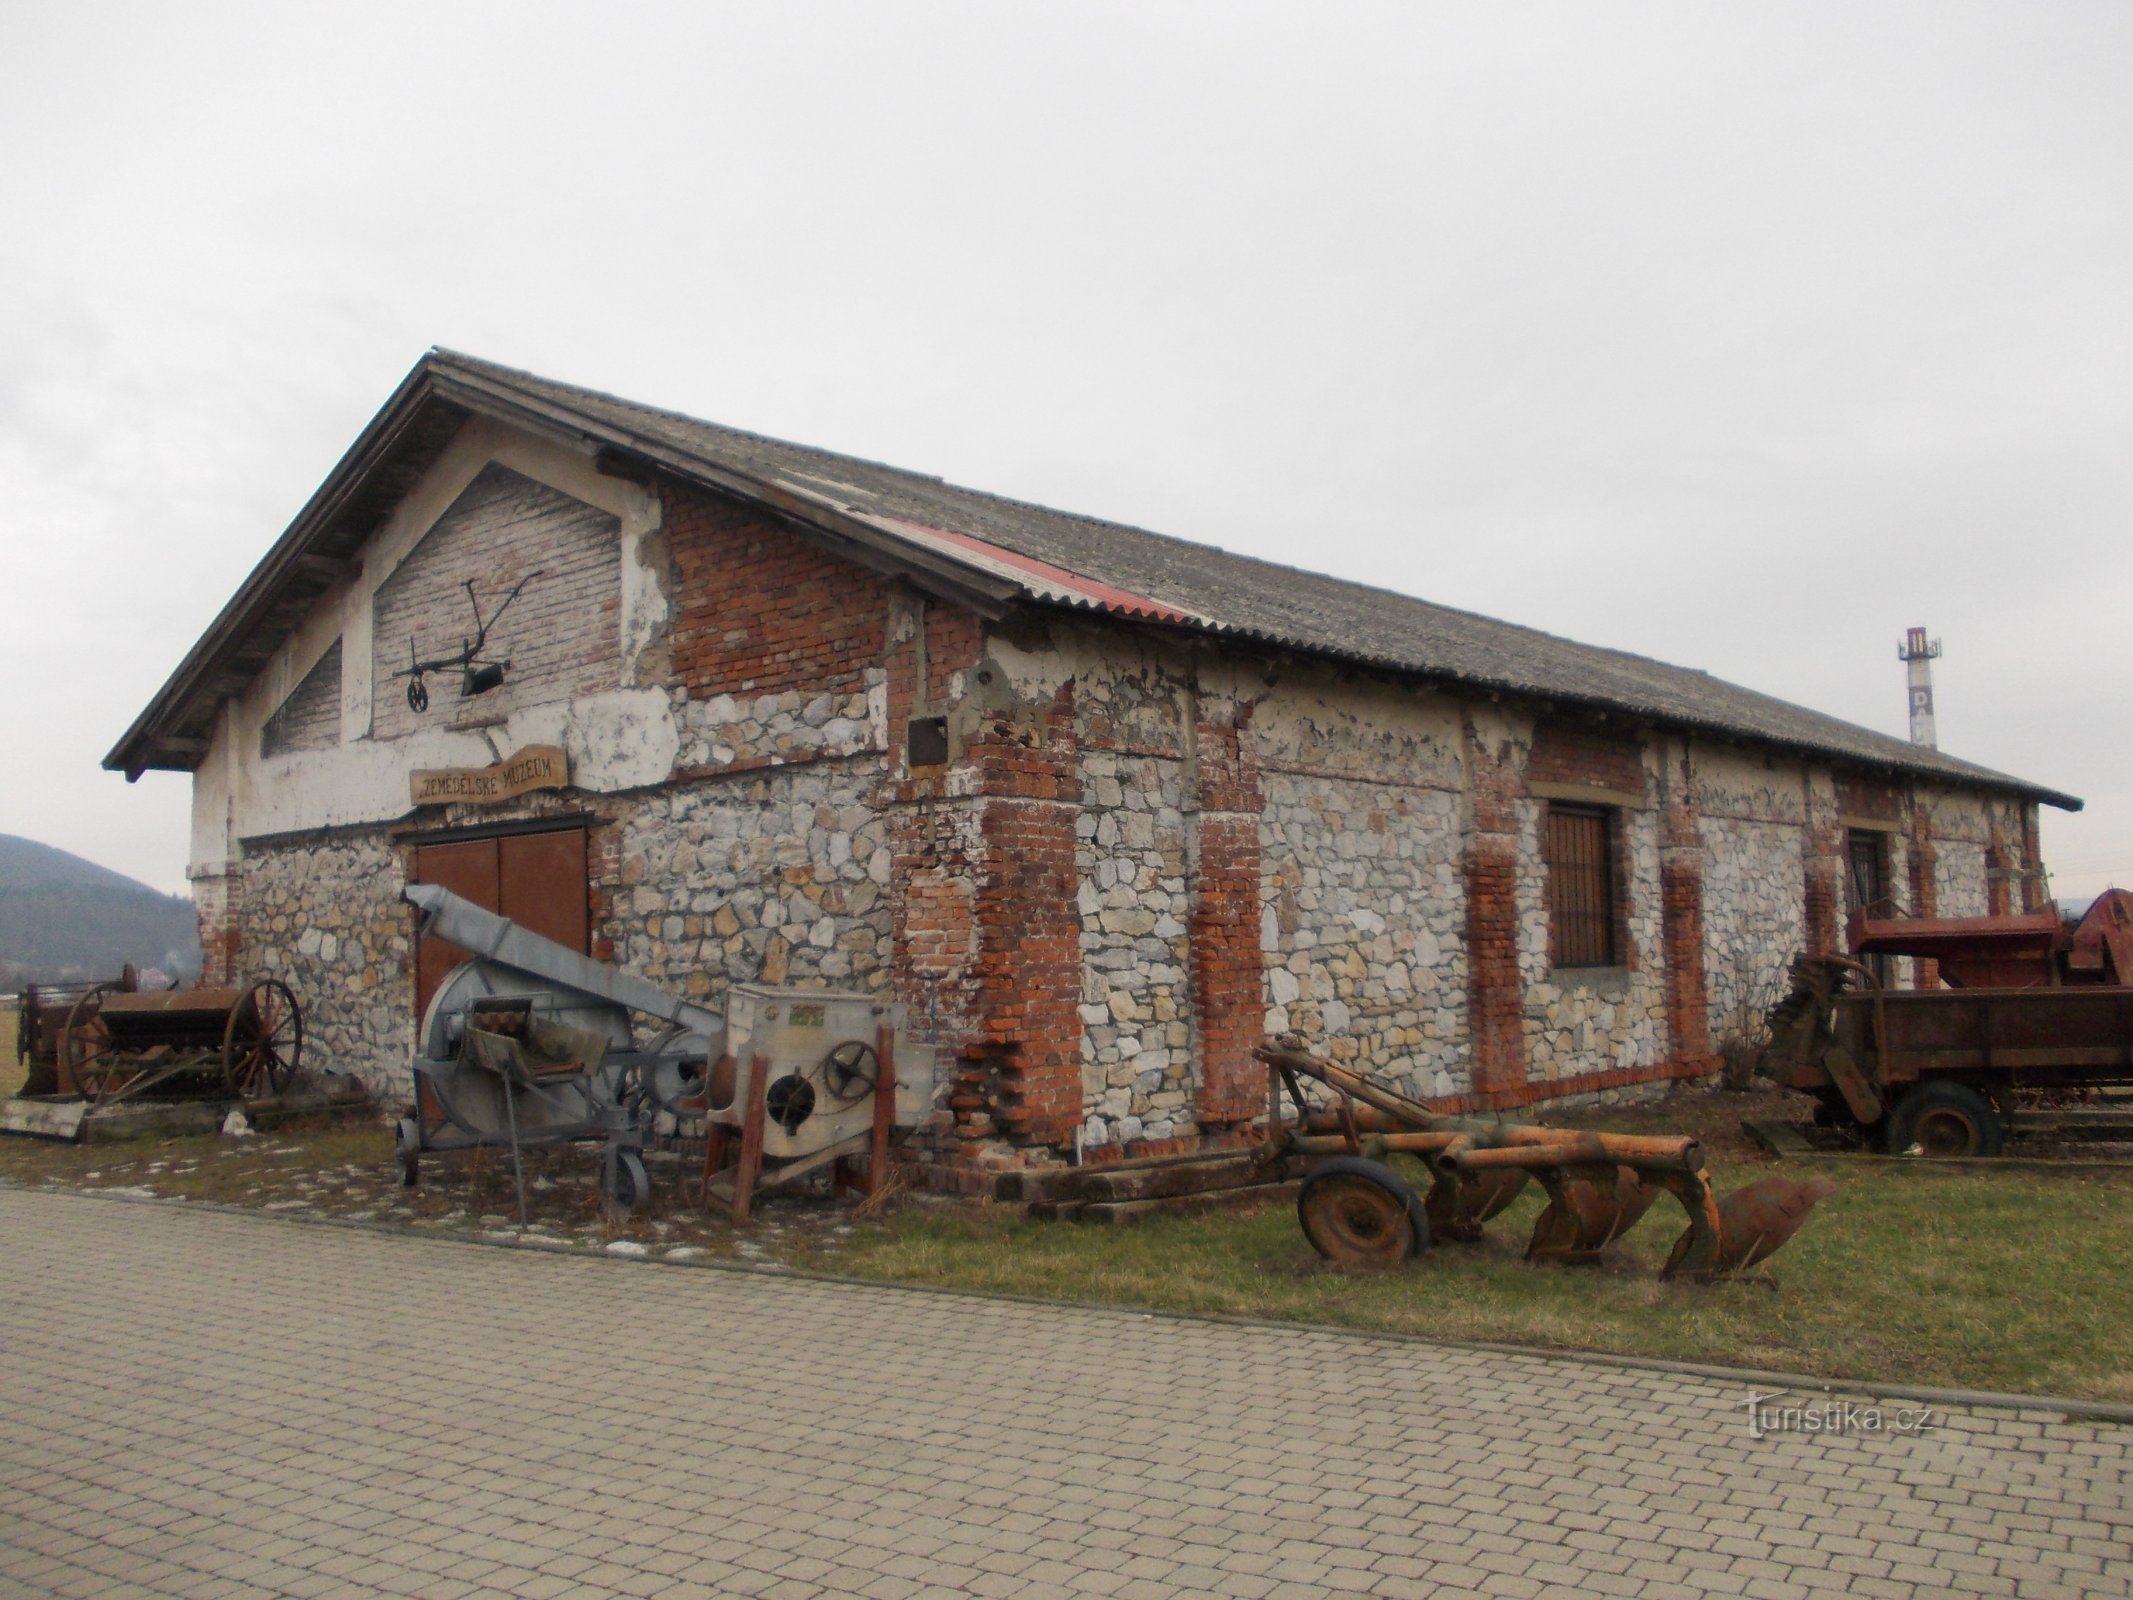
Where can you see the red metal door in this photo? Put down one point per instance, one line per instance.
(535, 879)
(541, 879)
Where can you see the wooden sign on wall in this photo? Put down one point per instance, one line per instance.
(538, 766)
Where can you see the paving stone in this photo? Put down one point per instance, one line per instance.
(419, 1417)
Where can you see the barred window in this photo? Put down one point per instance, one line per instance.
(1581, 886)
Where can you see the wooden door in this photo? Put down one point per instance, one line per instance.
(535, 879)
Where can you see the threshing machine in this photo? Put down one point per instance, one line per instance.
(531, 1042)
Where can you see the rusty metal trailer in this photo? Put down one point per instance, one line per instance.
(2040, 1008)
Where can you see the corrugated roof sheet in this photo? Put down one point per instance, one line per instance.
(1060, 558)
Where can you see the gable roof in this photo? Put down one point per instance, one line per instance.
(983, 550)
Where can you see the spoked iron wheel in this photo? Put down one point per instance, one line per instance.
(1359, 1213)
(263, 1042)
(87, 1062)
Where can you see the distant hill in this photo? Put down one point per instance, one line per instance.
(62, 917)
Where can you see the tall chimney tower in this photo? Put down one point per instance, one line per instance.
(1917, 653)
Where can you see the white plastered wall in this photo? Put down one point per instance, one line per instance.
(619, 738)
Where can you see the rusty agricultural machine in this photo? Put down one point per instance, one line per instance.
(1358, 1212)
(2036, 1006)
(112, 1041)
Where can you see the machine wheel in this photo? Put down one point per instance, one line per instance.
(1359, 1213)
(1945, 1118)
(624, 1184)
(407, 1153)
(263, 1042)
(850, 1071)
(86, 1060)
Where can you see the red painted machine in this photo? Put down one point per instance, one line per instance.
(2021, 950)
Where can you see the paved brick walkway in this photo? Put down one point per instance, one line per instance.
(196, 1404)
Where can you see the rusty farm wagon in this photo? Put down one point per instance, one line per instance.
(2039, 1010)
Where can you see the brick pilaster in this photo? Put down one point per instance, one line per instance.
(218, 903)
(987, 932)
(1688, 1014)
(1823, 890)
(1495, 991)
(2000, 872)
(1228, 983)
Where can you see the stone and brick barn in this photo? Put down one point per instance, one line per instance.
(1101, 807)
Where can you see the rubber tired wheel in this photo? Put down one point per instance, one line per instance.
(1946, 1119)
(624, 1184)
(407, 1153)
(1359, 1213)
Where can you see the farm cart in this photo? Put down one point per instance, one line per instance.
(1942, 1070)
(117, 1044)
(2040, 1007)
(1358, 1211)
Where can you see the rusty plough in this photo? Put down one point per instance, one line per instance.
(1357, 1211)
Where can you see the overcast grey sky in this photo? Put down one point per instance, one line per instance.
(1739, 335)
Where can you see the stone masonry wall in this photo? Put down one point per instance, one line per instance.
(1750, 815)
(1130, 856)
(1363, 903)
(775, 876)
(324, 915)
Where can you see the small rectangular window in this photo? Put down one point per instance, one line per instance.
(1867, 883)
(926, 741)
(1581, 886)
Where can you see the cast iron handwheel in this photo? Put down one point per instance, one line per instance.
(263, 1041)
(1944, 1118)
(850, 1071)
(1359, 1213)
(624, 1184)
(86, 1061)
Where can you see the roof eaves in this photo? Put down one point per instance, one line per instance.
(148, 735)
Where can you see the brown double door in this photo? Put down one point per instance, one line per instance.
(535, 879)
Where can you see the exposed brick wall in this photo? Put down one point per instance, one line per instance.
(1868, 798)
(1495, 991)
(1681, 887)
(1566, 752)
(1822, 893)
(986, 931)
(2001, 863)
(563, 634)
(218, 902)
(1028, 967)
(1227, 970)
(310, 719)
(760, 609)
